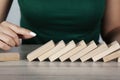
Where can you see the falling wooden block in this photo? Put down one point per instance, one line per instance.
(81, 45)
(57, 48)
(112, 56)
(101, 47)
(92, 45)
(112, 47)
(39, 51)
(9, 56)
(68, 47)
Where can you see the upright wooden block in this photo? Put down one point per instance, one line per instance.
(101, 47)
(118, 59)
(112, 56)
(92, 45)
(39, 51)
(112, 47)
(68, 47)
(81, 45)
(57, 48)
(9, 56)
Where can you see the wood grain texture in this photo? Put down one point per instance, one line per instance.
(112, 47)
(39, 51)
(112, 56)
(81, 45)
(101, 47)
(63, 51)
(9, 56)
(91, 46)
(24, 70)
(57, 48)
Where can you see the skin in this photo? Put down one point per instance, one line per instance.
(111, 17)
(11, 33)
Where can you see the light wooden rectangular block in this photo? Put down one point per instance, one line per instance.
(119, 59)
(81, 45)
(68, 47)
(112, 56)
(39, 51)
(92, 45)
(9, 56)
(101, 47)
(112, 47)
(57, 48)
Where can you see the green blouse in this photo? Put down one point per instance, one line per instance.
(62, 19)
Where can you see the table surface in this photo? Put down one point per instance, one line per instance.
(24, 70)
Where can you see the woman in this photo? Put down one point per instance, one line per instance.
(60, 20)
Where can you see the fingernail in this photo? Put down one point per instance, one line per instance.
(32, 33)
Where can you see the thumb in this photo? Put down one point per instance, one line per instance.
(22, 32)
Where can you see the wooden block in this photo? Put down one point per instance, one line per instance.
(9, 56)
(112, 47)
(57, 48)
(39, 51)
(79, 47)
(112, 56)
(92, 45)
(101, 47)
(68, 47)
(119, 59)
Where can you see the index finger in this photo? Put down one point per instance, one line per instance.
(18, 30)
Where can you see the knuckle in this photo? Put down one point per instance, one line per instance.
(9, 40)
(4, 47)
(24, 30)
(18, 28)
(15, 36)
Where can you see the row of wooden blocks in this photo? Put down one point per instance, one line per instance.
(73, 51)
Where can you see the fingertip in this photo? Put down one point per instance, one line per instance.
(33, 34)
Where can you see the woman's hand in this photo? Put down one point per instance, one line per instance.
(112, 35)
(10, 35)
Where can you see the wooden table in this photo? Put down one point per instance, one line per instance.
(24, 70)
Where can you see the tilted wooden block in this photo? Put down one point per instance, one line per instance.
(81, 45)
(101, 47)
(112, 47)
(57, 48)
(68, 47)
(92, 45)
(112, 56)
(39, 51)
(9, 56)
